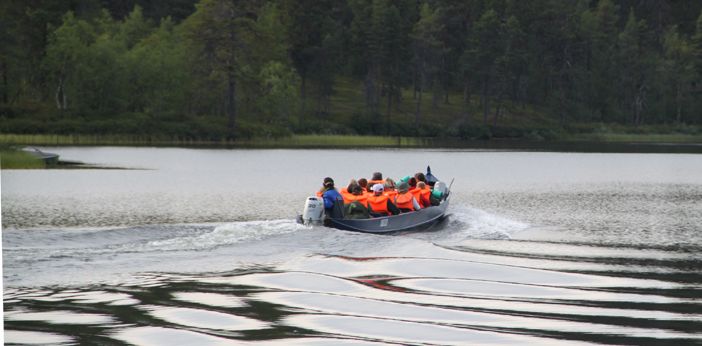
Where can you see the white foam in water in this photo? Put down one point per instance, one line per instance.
(476, 223)
(227, 234)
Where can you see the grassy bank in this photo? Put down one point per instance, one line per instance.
(334, 141)
(295, 141)
(16, 159)
(636, 138)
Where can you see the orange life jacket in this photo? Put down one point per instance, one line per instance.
(345, 194)
(404, 201)
(348, 198)
(417, 194)
(422, 196)
(319, 194)
(379, 204)
(426, 196)
(373, 182)
(391, 194)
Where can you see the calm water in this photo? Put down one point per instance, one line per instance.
(199, 247)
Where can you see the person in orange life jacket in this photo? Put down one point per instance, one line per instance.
(357, 194)
(348, 187)
(423, 194)
(331, 197)
(420, 177)
(357, 206)
(417, 193)
(380, 204)
(346, 191)
(377, 179)
(404, 200)
(363, 182)
(390, 190)
(412, 183)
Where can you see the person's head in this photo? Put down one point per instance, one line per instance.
(363, 182)
(389, 184)
(378, 189)
(357, 190)
(412, 182)
(420, 177)
(351, 184)
(328, 183)
(377, 176)
(421, 185)
(402, 187)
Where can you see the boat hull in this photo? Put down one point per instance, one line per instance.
(420, 220)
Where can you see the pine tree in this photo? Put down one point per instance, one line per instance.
(427, 51)
(67, 44)
(220, 33)
(679, 69)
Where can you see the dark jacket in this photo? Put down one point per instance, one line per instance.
(333, 203)
(356, 210)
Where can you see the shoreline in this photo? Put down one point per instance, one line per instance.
(344, 141)
(13, 158)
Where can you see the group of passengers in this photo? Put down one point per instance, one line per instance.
(363, 198)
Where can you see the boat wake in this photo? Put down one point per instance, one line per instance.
(228, 283)
(466, 224)
(228, 234)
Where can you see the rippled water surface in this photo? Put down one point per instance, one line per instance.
(200, 247)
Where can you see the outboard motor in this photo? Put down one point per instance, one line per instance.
(313, 211)
(440, 190)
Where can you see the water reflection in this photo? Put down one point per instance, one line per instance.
(264, 305)
(157, 336)
(541, 248)
(203, 318)
(58, 317)
(212, 299)
(22, 337)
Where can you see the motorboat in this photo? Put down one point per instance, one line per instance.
(419, 220)
(48, 158)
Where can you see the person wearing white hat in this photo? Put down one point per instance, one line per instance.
(380, 203)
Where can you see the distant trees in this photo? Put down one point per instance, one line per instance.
(278, 63)
(428, 50)
(314, 39)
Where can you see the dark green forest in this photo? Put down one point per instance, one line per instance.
(216, 69)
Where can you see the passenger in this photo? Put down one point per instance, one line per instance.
(357, 195)
(423, 194)
(346, 191)
(332, 198)
(363, 182)
(349, 187)
(377, 179)
(420, 177)
(380, 204)
(412, 183)
(357, 207)
(404, 200)
(390, 190)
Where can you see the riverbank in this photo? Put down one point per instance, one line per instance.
(293, 141)
(13, 158)
(336, 141)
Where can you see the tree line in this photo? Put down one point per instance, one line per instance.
(228, 68)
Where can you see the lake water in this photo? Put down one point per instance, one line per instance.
(200, 247)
